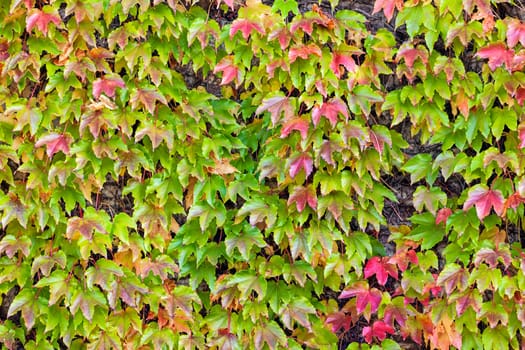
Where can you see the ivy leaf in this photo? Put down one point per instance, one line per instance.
(269, 333)
(378, 330)
(330, 110)
(395, 312)
(381, 267)
(276, 105)
(54, 143)
(515, 33)
(84, 227)
(365, 296)
(299, 124)
(301, 196)
(156, 134)
(41, 20)
(229, 71)
(388, 7)
(11, 244)
(484, 199)
(45, 263)
(107, 85)
(342, 59)
(148, 98)
(298, 309)
(453, 276)
(410, 54)
(25, 301)
(302, 161)
(428, 198)
(86, 302)
(282, 35)
(442, 215)
(303, 51)
(497, 54)
(246, 239)
(340, 320)
(246, 27)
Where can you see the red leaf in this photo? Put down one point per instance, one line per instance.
(330, 110)
(229, 71)
(303, 161)
(388, 7)
(283, 35)
(381, 267)
(276, 105)
(342, 59)
(304, 51)
(410, 54)
(522, 135)
(55, 142)
(520, 96)
(403, 257)
(338, 320)
(273, 65)
(299, 124)
(484, 199)
(394, 312)
(302, 196)
(41, 20)
(515, 33)
(442, 215)
(107, 86)
(379, 330)
(364, 296)
(498, 54)
(245, 27)
(514, 200)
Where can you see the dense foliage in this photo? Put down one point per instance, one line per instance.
(178, 175)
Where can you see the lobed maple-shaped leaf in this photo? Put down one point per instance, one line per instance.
(395, 312)
(491, 257)
(298, 124)
(453, 276)
(303, 51)
(282, 35)
(11, 244)
(269, 333)
(378, 330)
(26, 302)
(404, 256)
(148, 98)
(365, 295)
(484, 199)
(302, 196)
(246, 27)
(107, 85)
(83, 226)
(330, 110)
(41, 20)
(276, 105)
(302, 161)
(499, 55)
(340, 320)
(327, 149)
(379, 136)
(382, 268)
(54, 143)
(442, 215)
(388, 7)
(342, 59)
(410, 54)
(229, 71)
(515, 33)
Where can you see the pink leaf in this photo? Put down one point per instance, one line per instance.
(515, 33)
(304, 51)
(302, 196)
(497, 54)
(378, 330)
(388, 7)
(245, 27)
(303, 161)
(54, 143)
(381, 267)
(342, 59)
(107, 86)
(299, 124)
(327, 148)
(521, 135)
(229, 71)
(442, 215)
(230, 3)
(283, 35)
(364, 296)
(41, 20)
(276, 105)
(484, 199)
(330, 110)
(410, 54)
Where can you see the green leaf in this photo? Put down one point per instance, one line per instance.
(418, 167)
